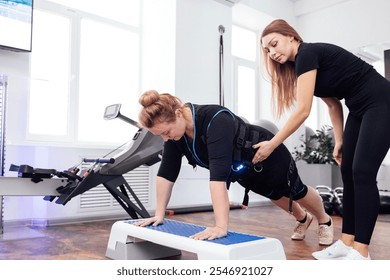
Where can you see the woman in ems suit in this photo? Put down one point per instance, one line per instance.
(213, 137)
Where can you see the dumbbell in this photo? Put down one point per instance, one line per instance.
(384, 200)
(338, 201)
(321, 188)
(327, 198)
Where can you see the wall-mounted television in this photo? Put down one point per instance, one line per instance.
(16, 24)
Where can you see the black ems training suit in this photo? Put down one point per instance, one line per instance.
(216, 133)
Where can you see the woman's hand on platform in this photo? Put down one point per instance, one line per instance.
(154, 221)
(210, 233)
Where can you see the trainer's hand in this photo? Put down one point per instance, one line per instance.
(264, 149)
(154, 221)
(337, 152)
(210, 233)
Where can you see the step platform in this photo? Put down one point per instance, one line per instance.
(130, 242)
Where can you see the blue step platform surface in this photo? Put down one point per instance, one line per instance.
(187, 230)
(169, 239)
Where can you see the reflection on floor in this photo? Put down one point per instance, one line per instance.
(20, 232)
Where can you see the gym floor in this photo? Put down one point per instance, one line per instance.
(88, 241)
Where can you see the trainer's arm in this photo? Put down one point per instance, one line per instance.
(335, 109)
(305, 93)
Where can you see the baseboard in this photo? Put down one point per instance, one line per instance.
(260, 203)
(61, 221)
(75, 220)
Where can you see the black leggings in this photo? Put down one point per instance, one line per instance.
(366, 142)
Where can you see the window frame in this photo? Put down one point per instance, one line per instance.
(236, 63)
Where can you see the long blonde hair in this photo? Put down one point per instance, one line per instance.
(283, 77)
(157, 108)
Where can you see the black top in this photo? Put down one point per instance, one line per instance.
(339, 72)
(213, 145)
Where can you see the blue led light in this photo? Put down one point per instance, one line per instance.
(241, 166)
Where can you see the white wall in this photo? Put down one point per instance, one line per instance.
(197, 50)
(15, 65)
(350, 24)
(158, 45)
(275, 8)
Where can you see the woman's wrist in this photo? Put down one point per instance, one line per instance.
(274, 143)
(221, 227)
(160, 214)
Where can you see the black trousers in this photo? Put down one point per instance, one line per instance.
(365, 145)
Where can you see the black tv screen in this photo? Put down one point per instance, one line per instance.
(16, 24)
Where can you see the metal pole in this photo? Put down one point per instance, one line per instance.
(1, 215)
(221, 30)
(3, 91)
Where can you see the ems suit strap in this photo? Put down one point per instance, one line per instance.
(240, 141)
(290, 202)
(254, 138)
(246, 138)
(292, 188)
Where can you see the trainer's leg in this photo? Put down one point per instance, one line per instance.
(372, 147)
(351, 133)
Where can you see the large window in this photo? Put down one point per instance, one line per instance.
(245, 61)
(50, 71)
(109, 70)
(85, 57)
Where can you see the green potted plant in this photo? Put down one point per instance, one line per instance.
(317, 148)
(314, 157)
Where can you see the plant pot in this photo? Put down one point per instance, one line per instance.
(320, 174)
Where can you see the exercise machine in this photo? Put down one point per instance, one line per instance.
(144, 149)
